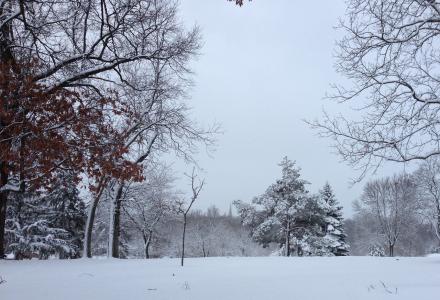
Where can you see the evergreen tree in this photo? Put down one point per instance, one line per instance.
(28, 233)
(285, 214)
(46, 223)
(334, 238)
(66, 210)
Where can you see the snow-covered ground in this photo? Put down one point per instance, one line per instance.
(353, 278)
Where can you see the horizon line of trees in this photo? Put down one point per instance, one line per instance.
(397, 215)
(154, 220)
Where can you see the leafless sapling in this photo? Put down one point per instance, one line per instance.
(184, 208)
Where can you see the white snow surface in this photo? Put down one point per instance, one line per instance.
(354, 278)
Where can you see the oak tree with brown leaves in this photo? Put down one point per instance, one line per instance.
(42, 132)
(66, 68)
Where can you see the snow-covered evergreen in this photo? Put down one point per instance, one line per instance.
(286, 214)
(46, 223)
(67, 211)
(334, 238)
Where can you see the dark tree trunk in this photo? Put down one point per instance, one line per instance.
(117, 222)
(3, 203)
(6, 54)
(87, 249)
(203, 248)
(391, 250)
(299, 251)
(147, 254)
(183, 240)
(6, 57)
(147, 243)
(89, 228)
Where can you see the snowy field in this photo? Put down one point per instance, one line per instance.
(266, 278)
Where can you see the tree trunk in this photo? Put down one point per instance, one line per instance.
(287, 243)
(203, 248)
(87, 245)
(87, 249)
(391, 250)
(299, 250)
(6, 57)
(183, 240)
(147, 243)
(3, 202)
(115, 224)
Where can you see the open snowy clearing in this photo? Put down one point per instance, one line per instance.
(224, 278)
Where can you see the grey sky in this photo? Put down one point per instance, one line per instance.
(265, 68)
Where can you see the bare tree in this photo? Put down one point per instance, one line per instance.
(160, 124)
(393, 202)
(196, 188)
(146, 204)
(389, 54)
(428, 181)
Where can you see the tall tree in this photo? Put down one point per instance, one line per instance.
(64, 65)
(161, 123)
(42, 132)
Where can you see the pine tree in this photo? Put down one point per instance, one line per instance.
(29, 233)
(285, 214)
(67, 211)
(45, 223)
(334, 238)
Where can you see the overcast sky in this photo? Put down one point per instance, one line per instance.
(264, 68)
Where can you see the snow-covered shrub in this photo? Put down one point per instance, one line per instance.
(38, 239)
(376, 250)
